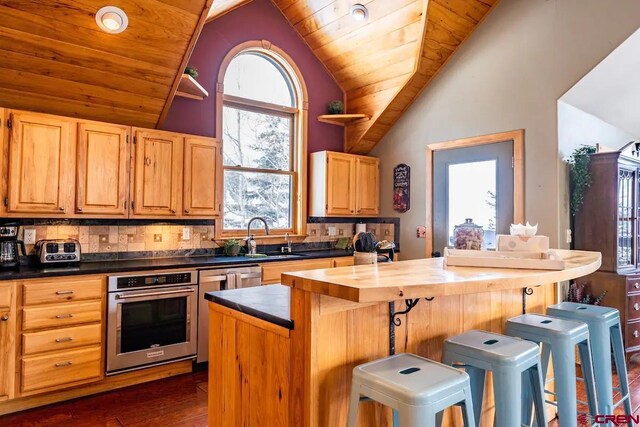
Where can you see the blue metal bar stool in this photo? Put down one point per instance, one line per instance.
(559, 338)
(606, 337)
(511, 360)
(417, 388)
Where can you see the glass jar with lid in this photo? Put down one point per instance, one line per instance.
(468, 236)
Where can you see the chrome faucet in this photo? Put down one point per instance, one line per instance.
(251, 243)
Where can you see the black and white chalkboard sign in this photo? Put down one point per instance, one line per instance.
(401, 188)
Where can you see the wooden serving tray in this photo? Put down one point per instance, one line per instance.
(548, 260)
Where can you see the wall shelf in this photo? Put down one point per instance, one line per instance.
(342, 119)
(190, 88)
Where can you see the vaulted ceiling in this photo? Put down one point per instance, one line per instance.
(55, 59)
(381, 64)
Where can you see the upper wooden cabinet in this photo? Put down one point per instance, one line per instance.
(344, 185)
(102, 169)
(7, 339)
(41, 164)
(201, 176)
(367, 186)
(157, 170)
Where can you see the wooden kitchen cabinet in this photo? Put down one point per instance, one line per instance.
(102, 169)
(41, 164)
(343, 185)
(7, 339)
(367, 186)
(157, 171)
(202, 177)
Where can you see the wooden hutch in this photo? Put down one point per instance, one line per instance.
(609, 222)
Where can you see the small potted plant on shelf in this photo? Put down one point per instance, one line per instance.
(192, 71)
(335, 107)
(232, 247)
(581, 292)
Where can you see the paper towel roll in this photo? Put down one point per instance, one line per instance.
(361, 228)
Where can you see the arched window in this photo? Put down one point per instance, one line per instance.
(262, 122)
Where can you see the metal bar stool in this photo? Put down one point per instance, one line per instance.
(510, 360)
(606, 337)
(417, 388)
(559, 338)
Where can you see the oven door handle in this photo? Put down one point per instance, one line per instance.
(153, 294)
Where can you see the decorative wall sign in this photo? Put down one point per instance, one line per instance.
(401, 188)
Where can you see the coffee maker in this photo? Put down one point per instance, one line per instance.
(9, 257)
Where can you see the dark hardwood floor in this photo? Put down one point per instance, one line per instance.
(177, 402)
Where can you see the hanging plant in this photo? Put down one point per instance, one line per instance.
(580, 175)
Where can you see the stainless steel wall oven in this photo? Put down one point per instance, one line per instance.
(152, 319)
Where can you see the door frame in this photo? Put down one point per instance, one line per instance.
(517, 136)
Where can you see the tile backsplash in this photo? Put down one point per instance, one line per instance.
(150, 240)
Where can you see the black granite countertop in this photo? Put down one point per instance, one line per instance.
(131, 265)
(269, 302)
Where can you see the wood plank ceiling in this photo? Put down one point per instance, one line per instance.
(381, 64)
(55, 59)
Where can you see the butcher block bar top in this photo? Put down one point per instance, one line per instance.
(429, 278)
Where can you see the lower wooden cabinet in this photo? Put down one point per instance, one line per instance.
(7, 339)
(272, 272)
(61, 368)
(61, 333)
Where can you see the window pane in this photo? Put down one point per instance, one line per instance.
(257, 77)
(472, 194)
(249, 194)
(256, 140)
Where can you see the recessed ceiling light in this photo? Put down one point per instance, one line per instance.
(112, 19)
(359, 12)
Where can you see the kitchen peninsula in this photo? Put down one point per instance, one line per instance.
(295, 370)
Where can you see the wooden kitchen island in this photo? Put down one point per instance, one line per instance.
(283, 356)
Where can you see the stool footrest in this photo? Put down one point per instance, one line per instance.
(619, 402)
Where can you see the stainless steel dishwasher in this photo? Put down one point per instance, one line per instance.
(216, 280)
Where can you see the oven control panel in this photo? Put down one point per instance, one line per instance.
(152, 280)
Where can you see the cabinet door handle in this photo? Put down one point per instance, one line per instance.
(147, 161)
(65, 339)
(636, 285)
(64, 292)
(4, 318)
(186, 211)
(636, 306)
(63, 364)
(173, 211)
(64, 316)
(636, 334)
(61, 208)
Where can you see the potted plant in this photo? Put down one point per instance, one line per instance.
(232, 247)
(192, 71)
(582, 293)
(335, 107)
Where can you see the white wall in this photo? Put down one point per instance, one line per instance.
(576, 128)
(508, 75)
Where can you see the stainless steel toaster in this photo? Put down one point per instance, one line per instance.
(58, 251)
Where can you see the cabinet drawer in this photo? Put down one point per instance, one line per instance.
(43, 292)
(42, 372)
(346, 261)
(633, 307)
(60, 315)
(271, 272)
(5, 294)
(632, 335)
(61, 339)
(633, 284)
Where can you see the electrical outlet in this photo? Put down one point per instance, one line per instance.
(332, 231)
(568, 236)
(186, 233)
(29, 236)
(157, 237)
(204, 237)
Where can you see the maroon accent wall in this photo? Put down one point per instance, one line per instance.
(258, 20)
